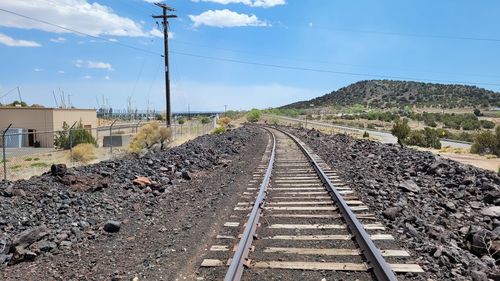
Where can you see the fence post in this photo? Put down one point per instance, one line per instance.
(4, 154)
(71, 142)
(111, 138)
(137, 126)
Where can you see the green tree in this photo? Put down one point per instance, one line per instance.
(254, 115)
(401, 130)
(432, 138)
(477, 112)
(78, 135)
(486, 142)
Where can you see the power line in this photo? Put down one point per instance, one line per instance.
(262, 64)
(80, 32)
(326, 62)
(408, 34)
(329, 71)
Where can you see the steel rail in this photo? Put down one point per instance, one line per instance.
(235, 270)
(380, 267)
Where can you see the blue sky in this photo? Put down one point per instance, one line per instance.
(424, 40)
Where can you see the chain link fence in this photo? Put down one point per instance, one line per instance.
(25, 154)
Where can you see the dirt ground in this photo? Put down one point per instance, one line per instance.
(489, 162)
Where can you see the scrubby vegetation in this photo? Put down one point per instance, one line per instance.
(487, 143)
(78, 135)
(218, 130)
(466, 121)
(222, 125)
(427, 137)
(149, 136)
(391, 94)
(290, 112)
(224, 122)
(205, 120)
(401, 130)
(254, 115)
(84, 152)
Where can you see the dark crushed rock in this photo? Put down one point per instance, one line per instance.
(445, 212)
(55, 212)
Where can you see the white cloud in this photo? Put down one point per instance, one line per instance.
(157, 33)
(225, 18)
(57, 40)
(11, 42)
(88, 77)
(37, 69)
(99, 65)
(94, 64)
(251, 3)
(113, 40)
(154, 1)
(61, 72)
(91, 18)
(107, 77)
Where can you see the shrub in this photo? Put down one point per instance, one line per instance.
(471, 124)
(401, 130)
(432, 138)
(219, 130)
(366, 135)
(181, 121)
(486, 124)
(150, 135)
(83, 152)
(416, 138)
(430, 123)
(204, 120)
(424, 138)
(254, 115)
(78, 135)
(275, 121)
(477, 112)
(486, 143)
(224, 122)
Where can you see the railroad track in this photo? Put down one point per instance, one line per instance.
(298, 221)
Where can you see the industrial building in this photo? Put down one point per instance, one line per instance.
(35, 126)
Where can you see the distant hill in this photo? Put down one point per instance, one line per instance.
(388, 93)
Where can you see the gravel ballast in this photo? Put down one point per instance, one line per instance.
(446, 213)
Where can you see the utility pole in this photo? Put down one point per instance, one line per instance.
(225, 110)
(165, 18)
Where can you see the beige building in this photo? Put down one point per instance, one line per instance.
(39, 124)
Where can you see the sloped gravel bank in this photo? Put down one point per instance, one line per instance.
(141, 216)
(446, 213)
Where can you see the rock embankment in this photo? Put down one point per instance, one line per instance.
(63, 208)
(446, 213)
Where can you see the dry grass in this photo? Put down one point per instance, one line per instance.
(84, 152)
(449, 149)
(150, 135)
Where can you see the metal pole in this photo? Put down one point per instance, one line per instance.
(4, 159)
(111, 137)
(71, 141)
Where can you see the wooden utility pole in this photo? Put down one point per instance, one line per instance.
(165, 16)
